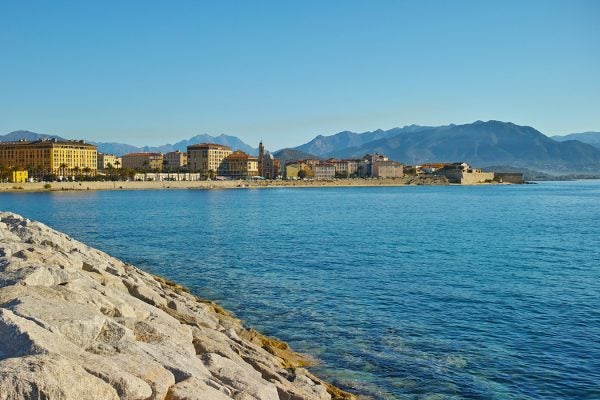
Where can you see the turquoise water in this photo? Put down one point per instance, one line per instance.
(407, 292)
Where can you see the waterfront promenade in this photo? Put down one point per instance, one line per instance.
(154, 185)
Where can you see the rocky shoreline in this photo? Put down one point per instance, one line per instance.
(76, 323)
(153, 185)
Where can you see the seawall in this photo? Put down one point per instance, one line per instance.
(76, 323)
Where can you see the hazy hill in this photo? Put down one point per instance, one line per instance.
(26, 135)
(592, 138)
(322, 145)
(481, 144)
(122, 148)
(232, 141)
(285, 155)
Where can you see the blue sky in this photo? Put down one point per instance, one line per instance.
(145, 72)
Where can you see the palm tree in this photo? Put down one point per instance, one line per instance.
(76, 170)
(63, 167)
(38, 171)
(87, 171)
(145, 167)
(111, 171)
(4, 172)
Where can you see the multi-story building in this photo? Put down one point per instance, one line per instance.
(324, 171)
(344, 168)
(268, 165)
(387, 169)
(365, 165)
(106, 161)
(50, 156)
(239, 165)
(207, 158)
(143, 161)
(175, 160)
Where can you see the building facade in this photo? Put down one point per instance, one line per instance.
(298, 169)
(464, 174)
(324, 171)
(268, 165)
(208, 158)
(387, 169)
(19, 176)
(143, 161)
(105, 161)
(175, 160)
(240, 165)
(365, 165)
(345, 168)
(50, 157)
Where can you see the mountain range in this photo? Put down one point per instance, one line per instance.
(592, 138)
(481, 144)
(121, 148)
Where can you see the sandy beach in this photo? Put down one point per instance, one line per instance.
(233, 184)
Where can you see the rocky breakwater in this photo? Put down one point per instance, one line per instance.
(76, 323)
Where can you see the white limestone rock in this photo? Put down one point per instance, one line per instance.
(76, 323)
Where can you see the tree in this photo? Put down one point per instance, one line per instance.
(62, 167)
(87, 171)
(38, 171)
(301, 174)
(76, 170)
(4, 172)
(111, 171)
(211, 174)
(145, 168)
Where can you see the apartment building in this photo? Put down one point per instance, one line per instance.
(345, 168)
(143, 161)
(324, 171)
(106, 160)
(207, 158)
(50, 156)
(240, 165)
(175, 160)
(387, 169)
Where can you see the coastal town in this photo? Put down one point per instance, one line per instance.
(53, 160)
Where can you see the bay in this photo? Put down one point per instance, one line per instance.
(421, 292)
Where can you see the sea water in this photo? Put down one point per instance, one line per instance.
(457, 292)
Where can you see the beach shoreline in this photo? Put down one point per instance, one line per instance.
(214, 184)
